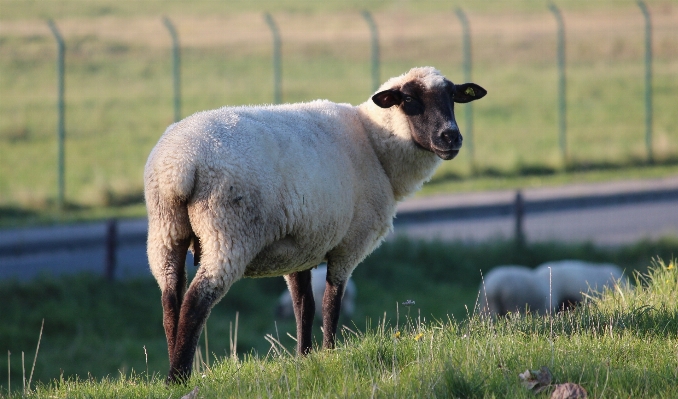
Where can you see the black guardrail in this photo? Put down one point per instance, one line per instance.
(533, 206)
(68, 243)
(112, 237)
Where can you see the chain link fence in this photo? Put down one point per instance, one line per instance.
(578, 89)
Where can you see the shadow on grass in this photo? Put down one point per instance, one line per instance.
(642, 321)
(455, 384)
(539, 170)
(581, 165)
(115, 206)
(15, 212)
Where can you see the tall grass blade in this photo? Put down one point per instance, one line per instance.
(207, 348)
(234, 348)
(230, 338)
(35, 358)
(276, 345)
(553, 354)
(197, 361)
(146, 355)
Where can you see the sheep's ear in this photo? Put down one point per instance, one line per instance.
(388, 98)
(468, 92)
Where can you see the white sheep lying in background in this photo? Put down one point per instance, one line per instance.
(556, 285)
(276, 190)
(285, 308)
(511, 288)
(571, 279)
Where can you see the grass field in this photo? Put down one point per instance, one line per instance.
(103, 340)
(119, 101)
(96, 329)
(119, 84)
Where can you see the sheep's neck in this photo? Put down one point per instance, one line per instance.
(406, 165)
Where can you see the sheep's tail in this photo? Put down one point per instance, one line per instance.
(171, 170)
(169, 186)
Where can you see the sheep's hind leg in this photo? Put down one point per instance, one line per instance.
(331, 308)
(196, 307)
(173, 293)
(167, 259)
(299, 284)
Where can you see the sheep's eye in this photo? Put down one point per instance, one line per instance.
(408, 99)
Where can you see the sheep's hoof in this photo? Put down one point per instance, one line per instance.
(177, 377)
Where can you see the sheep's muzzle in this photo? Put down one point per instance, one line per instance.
(447, 155)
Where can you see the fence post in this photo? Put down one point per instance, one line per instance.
(468, 110)
(562, 118)
(176, 64)
(111, 247)
(277, 67)
(374, 33)
(61, 129)
(648, 80)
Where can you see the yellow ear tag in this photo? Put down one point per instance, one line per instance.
(470, 92)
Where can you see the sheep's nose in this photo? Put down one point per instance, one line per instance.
(451, 137)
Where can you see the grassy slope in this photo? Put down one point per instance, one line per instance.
(97, 328)
(119, 84)
(620, 346)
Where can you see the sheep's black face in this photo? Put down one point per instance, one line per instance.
(430, 113)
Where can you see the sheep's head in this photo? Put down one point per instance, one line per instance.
(426, 99)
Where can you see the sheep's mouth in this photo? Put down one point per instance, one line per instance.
(446, 155)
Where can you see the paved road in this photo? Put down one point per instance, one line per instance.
(610, 213)
(606, 214)
(609, 225)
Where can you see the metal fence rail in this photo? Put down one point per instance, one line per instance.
(21, 242)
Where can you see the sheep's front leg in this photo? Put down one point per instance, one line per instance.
(331, 308)
(299, 284)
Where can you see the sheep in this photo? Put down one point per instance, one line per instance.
(511, 288)
(569, 280)
(318, 275)
(558, 285)
(257, 191)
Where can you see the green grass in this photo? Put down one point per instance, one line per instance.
(119, 87)
(622, 345)
(95, 329)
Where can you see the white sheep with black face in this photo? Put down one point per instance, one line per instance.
(569, 280)
(275, 190)
(511, 288)
(285, 309)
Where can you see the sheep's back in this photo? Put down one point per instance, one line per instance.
(568, 279)
(287, 176)
(510, 288)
